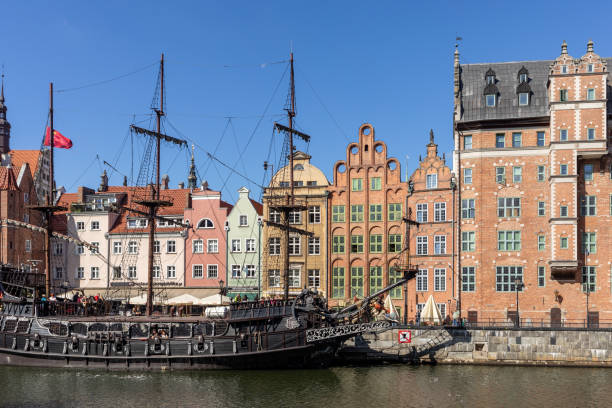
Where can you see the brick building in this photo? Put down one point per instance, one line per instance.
(533, 164)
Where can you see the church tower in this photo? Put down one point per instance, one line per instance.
(5, 127)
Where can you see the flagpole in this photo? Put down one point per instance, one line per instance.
(49, 200)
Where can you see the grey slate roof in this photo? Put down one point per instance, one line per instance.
(473, 83)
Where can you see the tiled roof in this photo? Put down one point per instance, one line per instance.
(18, 157)
(7, 179)
(258, 206)
(473, 83)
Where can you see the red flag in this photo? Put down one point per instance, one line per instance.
(59, 140)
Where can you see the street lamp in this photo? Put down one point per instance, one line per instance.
(518, 285)
(221, 288)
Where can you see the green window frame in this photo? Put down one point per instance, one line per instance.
(376, 212)
(541, 208)
(509, 241)
(395, 243)
(468, 208)
(468, 241)
(376, 279)
(357, 184)
(517, 174)
(357, 213)
(376, 243)
(394, 276)
(395, 212)
(338, 282)
(541, 173)
(356, 281)
(541, 276)
(356, 244)
(564, 243)
(338, 244)
(375, 183)
(589, 240)
(500, 175)
(541, 242)
(338, 213)
(589, 275)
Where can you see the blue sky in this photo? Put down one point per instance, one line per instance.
(387, 63)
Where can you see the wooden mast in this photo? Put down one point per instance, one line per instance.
(291, 198)
(49, 200)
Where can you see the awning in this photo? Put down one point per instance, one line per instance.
(431, 313)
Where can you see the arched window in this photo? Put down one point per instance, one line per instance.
(298, 167)
(206, 223)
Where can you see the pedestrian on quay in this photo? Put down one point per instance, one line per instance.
(418, 318)
(455, 318)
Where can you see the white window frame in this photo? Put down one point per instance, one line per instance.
(171, 246)
(212, 246)
(95, 225)
(243, 221)
(295, 243)
(439, 244)
(314, 278)
(274, 278)
(314, 246)
(80, 226)
(117, 248)
(250, 271)
(132, 247)
(439, 211)
(200, 269)
(295, 277)
(432, 181)
(440, 280)
(314, 214)
(422, 277)
(79, 273)
(95, 272)
(132, 272)
(467, 176)
(422, 210)
(249, 244)
(236, 271)
(422, 245)
(171, 272)
(523, 98)
(274, 245)
(236, 245)
(212, 271)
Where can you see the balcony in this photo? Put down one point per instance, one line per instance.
(93, 207)
(564, 270)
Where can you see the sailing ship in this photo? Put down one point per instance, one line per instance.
(292, 332)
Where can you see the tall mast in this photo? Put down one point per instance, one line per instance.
(49, 200)
(291, 114)
(159, 112)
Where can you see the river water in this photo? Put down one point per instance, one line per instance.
(355, 387)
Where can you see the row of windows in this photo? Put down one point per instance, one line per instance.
(376, 243)
(563, 95)
(422, 243)
(243, 271)
(94, 272)
(298, 183)
(422, 212)
(516, 140)
(295, 245)
(236, 245)
(212, 271)
(294, 278)
(295, 217)
(394, 212)
(356, 280)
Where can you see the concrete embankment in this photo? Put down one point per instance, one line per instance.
(503, 346)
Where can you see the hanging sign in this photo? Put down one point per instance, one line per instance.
(404, 336)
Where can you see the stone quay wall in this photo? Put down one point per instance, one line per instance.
(495, 346)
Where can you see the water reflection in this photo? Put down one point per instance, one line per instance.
(388, 386)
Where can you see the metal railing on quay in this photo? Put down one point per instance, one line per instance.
(525, 323)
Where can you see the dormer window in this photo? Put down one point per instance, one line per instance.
(490, 79)
(490, 99)
(522, 75)
(523, 99)
(523, 78)
(298, 167)
(490, 90)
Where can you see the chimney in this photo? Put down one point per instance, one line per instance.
(124, 181)
(181, 184)
(103, 182)
(165, 181)
(204, 185)
(188, 199)
(82, 192)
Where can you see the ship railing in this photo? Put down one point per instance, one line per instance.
(259, 309)
(57, 308)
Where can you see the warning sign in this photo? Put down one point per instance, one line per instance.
(404, 336)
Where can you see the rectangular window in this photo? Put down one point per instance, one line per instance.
(564, 69)
(250, 271)
(93, 249)
(95, 272)
(500, 140)
(506, 277)
(468, 241)
(509, 240)
(80, 248)
(509, 207)
(421, 245)
(171, 271)
(236, 271)
(314, 214)
(500, 175)
(468, 208)
(468, 279)
(59, 272)
(198, 246)
(133, 247)
(338, 282)
(249, 244)
(274, 246)
(295, 217)
(338, 213)
(156, 271)
(212, 271)
(439, 279)
(589, 242)
(564, 243)
(490, 100)
(541, 276)
(421, 210)
(357, 213)
(314, 278)
(590, 68)
(467, 176)
(394, 276)
(517, 139)
(357, 281)
(563, 95)
(275, 216)
(394, 212)
(395, 243)
(236, 245)
(588, 172)
(541, 173)
(274, 278)
(295, 245)
(421, 280)
(541, 242)
(28, 246)
(171, 246)
(432, 181)
(58, 248)
(563, 135)
(590, 94)
(356, 244)
(338, 244)
(589, 279)
(197, 271)
(212, 246)
(523, 98)
(131, 272)
(591, 133)
(116, 272)
(467, 142)
(80, 272)
(80, 226)
(243, 221)
(439, 244)
(563, 210)
(156, 247)
(563, 169)
(294, 278)
(439, 212)
(375, 183)
(357, 184)
(376, 243)
(541, 139)
(375, 212)
(95, 225)
(376, 279)
(517, 174)
(314, 246)
(588, 205)
(541, 208)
